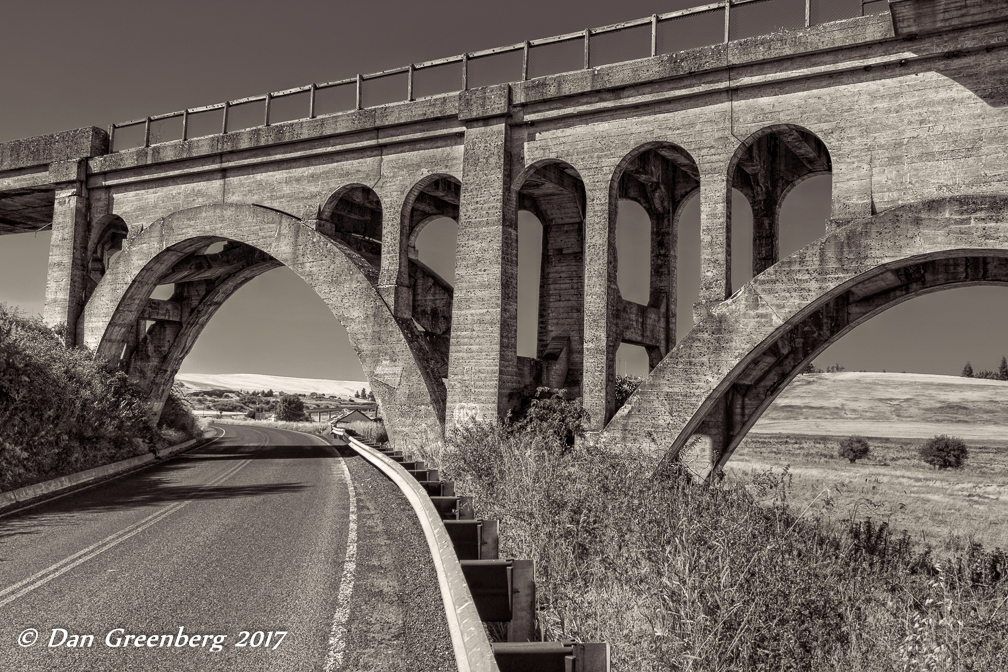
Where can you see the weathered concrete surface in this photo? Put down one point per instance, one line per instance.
(743, 354)
(901, 109)
(410, 401)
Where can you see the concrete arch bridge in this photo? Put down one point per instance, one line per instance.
(905, 110)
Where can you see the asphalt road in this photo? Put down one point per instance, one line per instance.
(245, 554)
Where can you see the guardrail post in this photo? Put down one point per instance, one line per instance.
(185, 124)
(360, 82)
(654, 34)
(111, 137)
(587, 47)
(522, 625)
(227, 106)
(147, 132)
(525, 59)
(311, 111)
(808, 13)
(269, 97)
(409, 83)
(591, 657)
(465, 72)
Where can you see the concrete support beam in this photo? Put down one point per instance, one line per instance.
(603, 324)
(715, 242)
(483, 360)
(64, 298)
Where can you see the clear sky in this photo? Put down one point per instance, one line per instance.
(72, 64)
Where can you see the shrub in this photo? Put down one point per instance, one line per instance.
(944, 452)
(60, 410)
(553, 416)
(967, 371)
(854, 448)
(625, 386)
(177, 415)
(370, 431)
(290, 408)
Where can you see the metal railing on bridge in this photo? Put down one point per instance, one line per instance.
(705, 25)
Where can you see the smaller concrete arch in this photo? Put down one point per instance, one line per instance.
(431, 198)
(554, 192)
(353, 215)
(107, 236)
(431, 296)
(765, 168)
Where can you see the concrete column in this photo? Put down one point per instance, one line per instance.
(393, 276)
(482, 366)
(715, 242)
(602, 308)
(64, 298)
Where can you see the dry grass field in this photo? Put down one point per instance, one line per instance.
(802, 431)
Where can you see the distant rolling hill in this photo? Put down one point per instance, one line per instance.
(898, 405)
(258, 381)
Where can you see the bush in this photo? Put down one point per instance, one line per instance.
(290, 408)
(944, 452)
(553, 416)
(61, 411)
(625, 386)
(854, 448)
(177, 415)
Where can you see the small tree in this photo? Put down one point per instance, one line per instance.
(625, 386)
(1003, 369)
(291, 408)
(356, 394)
(967, 371)
(854, 448)
(944, 452)
(268, 393)
(370, 396)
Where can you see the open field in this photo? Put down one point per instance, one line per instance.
(895, 412)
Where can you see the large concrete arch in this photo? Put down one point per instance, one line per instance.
(393, 353)
(724, 374)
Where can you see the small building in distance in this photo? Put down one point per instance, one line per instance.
(350, 416)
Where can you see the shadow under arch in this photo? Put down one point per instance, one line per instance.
(765, 167)
(720, 379)
(393, 354)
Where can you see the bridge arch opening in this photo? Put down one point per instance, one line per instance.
(649, 191)
(353, 216)
(149, 338)
(761, 376)
(430, 218)
(764, 169)
(553, 193)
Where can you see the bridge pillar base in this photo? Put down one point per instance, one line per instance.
(64, 297)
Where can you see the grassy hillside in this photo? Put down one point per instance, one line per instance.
(258, 381)
(60, 412)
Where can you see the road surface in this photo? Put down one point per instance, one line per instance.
(264, 550)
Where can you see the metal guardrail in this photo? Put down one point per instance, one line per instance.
(476, 585)
(816, 11)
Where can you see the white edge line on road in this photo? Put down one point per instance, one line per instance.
(51, 572)
(337, 634)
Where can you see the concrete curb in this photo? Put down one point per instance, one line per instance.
(473, 652)
(38, 491)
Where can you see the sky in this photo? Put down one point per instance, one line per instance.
(73, 64)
